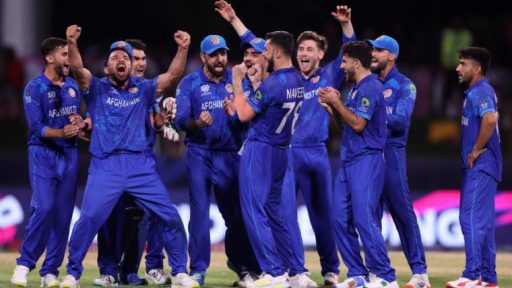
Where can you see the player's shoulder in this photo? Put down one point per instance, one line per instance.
(482, 89)
(190, 80)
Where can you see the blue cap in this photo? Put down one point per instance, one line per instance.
(256, 43)
(385, 42)
(121, 45)
(211, 43)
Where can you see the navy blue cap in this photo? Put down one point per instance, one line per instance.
(385, 42)
(211, 43)
(256, 43)
(121, 45)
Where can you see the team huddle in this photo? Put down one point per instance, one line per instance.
(256, 135)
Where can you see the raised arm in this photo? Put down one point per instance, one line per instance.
(228, 13)
(82, 75)
(343, 15)
(178, 64)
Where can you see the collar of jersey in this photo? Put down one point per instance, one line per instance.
(364, 80)
(476, 85)
(392, 73)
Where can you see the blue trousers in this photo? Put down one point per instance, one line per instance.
(356, 206)
(309, 170)
(477, 221)
(397, 200)
(108, 179)
(262, 169)
(53, 175)
(217, 172)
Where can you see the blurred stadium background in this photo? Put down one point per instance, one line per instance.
(429, 34)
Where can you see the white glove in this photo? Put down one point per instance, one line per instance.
(170, 105)
(170, 133)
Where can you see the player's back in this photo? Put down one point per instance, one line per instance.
(277, 102)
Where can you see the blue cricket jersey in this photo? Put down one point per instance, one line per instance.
(277, 103)
(312, 127)
(365, 100)
(197, 93)
(399, 96)
(120, 116)
(49, 105)
(479, 100)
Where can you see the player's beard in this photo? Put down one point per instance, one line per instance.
(62, 70)
(211, 69)
(270, 65)
(377, 67)
(120, 81)
(350, 76)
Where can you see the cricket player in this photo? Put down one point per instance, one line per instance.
(399, 97)
(482, 167)
(118, 106)
(272, 110)
(50, 99)
(360, 180)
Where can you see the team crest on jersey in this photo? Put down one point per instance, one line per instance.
(71, 92)
(215, 40)
(387, 93)
(315, 79)
(205, 89)
(133, 90)
(229, 88)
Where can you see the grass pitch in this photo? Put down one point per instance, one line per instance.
(442, 267)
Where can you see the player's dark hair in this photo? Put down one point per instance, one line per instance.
(479, 54)
(321, 41)
(283, 40)
(49, 45)
(359, 50)
(137, 44)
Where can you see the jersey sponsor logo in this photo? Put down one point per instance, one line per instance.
(134, 90)
(484, 104)
(310, 94)
(389, 110)
(295, 93)
(71, 92)
(258, 96)
(62, 111)
(387, 93)
(51, 95)
(413, 89)
(465, 121)
(209, 105)
(229, 88)
(27, 97)
(365, 103)
(121, 102)
(315, 79)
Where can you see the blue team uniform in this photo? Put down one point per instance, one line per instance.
(213, 164)
(263, 165)
(309, 169)
(121, 163)
(477, 211)
(359, 183)
(53, 172)
(399, 96)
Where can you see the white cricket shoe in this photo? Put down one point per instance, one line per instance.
(418, 281)
(352, 282)
(157, 276)
(19, 276)
(377, 282)
(105, 281)
(69, 282)
(331, 279)
(49, 280)
(463, 282)
(183, 280)
(249, 277)
(302, 280)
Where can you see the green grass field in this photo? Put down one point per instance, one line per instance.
(443, 266)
